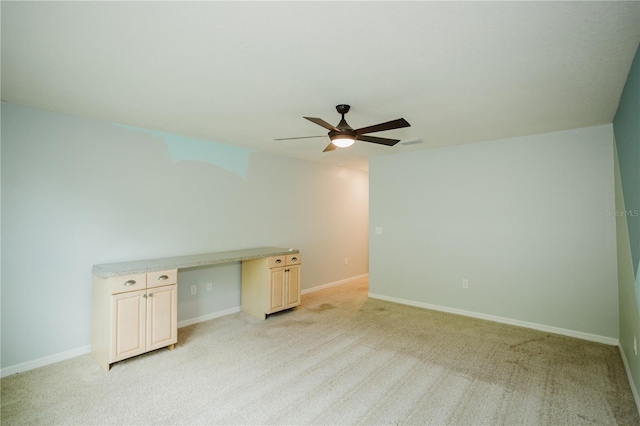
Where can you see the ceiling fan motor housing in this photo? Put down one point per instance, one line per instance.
(343, 132)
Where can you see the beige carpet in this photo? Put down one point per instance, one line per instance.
(339, 358)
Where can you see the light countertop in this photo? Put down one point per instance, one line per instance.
(151, 265)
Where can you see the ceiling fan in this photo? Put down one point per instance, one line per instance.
(344, 135)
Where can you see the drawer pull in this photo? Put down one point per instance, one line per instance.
(294, 258)
(130, 282)
(278, 261)
(163, 277)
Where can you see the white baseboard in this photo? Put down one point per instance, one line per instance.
(634, 391)
(344, 281)
(208, 317)
(540, 327)
(41, 362)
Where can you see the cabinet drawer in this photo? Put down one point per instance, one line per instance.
(276, 261)
(156, 279)
(294, 259)
(126, 283)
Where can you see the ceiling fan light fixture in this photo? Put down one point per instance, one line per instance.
(343, 141)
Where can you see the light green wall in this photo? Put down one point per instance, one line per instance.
(626, 125)
(77, 192)
(629, 315)
(627, 140)
(524, 220)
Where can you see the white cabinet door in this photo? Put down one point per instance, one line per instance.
(128, 324)
(293, 286)
(276, 290)
(162, 321)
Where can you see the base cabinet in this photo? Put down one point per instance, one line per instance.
(270, 284)
(133, 314)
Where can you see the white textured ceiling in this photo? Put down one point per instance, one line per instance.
(245, 73)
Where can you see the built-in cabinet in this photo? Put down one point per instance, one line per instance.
(133, 314)
(270, 284)
(136, 311)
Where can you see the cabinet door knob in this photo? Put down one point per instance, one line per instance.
(163, 277)
(144, 295)
(286, 270)
(130, 282)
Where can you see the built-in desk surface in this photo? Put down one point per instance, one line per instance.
(151, 265)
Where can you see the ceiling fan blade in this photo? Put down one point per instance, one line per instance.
(321, 122)
(381, 141)
(330, 147)
(300, 137)
(389, 125)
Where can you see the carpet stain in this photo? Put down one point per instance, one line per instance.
(524, 347)
(518, 363)
(322, 307)
(589, 419)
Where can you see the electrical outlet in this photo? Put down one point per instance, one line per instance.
(379, 230)
(346, 260)
(465, 283)
(194, 289)
(209, 286)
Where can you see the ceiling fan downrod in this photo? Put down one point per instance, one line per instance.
(342, 110)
